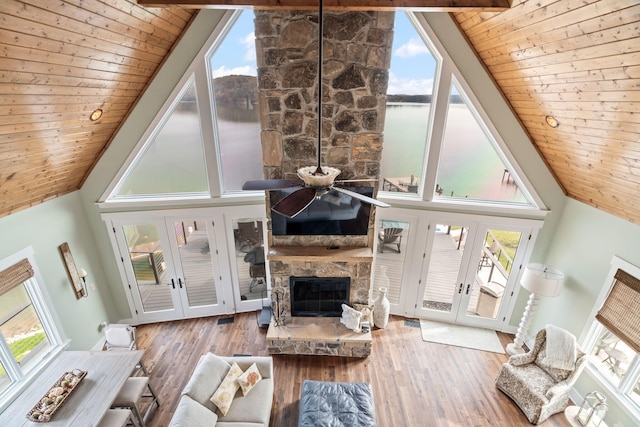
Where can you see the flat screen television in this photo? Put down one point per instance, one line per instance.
(334, 213)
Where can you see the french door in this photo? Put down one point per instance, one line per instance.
(184, 265)
(246, 246)
(454, 268)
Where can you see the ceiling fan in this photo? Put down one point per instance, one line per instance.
(316, 180)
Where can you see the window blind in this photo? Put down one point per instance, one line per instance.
(15, 275)
(620, 312)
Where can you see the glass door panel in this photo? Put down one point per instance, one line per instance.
(170, 267)
(497, 251)
(250, 258)
(146, 254)
(247, 253)
(196, 279)
(442, 281)
(391, 254)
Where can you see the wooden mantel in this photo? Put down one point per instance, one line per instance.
(417, 5)
(316, 253)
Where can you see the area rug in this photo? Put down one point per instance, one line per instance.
(461, 336)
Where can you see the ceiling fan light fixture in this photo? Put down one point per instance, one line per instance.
(311, 179)
(96, 114)
(552, 121)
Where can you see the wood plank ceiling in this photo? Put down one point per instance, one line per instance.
(578, 60)
(59, 61)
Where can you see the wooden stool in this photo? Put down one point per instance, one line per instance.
(117, 418)
(130, 394)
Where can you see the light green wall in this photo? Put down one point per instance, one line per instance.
(585, 241)
(130, 133)
(44, 228)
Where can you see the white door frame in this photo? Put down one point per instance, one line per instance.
(418, 247)
(220, 235)
(230, 214)
(217, 268)
(127, 273)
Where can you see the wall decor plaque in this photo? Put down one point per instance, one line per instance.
(76, 281)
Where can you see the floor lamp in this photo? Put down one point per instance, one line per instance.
(542, 281)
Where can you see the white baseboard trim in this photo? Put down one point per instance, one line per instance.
(509, 329)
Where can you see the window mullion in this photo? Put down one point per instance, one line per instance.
(204, 91)
(436, 136)
(631, 377)
(9, 362)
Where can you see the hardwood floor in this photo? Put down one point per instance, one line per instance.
(415, 383)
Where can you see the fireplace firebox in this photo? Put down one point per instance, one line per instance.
(319, 296)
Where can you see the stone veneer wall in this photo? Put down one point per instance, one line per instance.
(357, 54)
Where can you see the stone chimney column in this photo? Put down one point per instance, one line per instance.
(357, 54)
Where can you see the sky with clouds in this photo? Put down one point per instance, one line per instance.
(412, 66)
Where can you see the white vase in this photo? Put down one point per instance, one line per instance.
(381, 309)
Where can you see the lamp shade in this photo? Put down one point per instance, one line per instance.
(542, 280)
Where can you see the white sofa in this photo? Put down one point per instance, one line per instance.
(253, 410)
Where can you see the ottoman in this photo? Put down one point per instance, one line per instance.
(332, 404)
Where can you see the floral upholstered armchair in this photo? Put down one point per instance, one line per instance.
(535, 384)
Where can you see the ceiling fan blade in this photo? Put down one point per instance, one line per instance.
(296, 202)
(362, 197)
(270, 184)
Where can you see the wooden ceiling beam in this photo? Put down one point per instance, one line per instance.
(416, 5)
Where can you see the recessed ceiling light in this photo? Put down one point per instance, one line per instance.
(96, 115)
(552, 121)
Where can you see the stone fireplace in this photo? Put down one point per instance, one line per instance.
(357, 52)
(319, 335)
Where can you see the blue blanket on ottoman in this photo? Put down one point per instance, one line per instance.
(331, 404)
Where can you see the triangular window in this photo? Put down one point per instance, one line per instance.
(233, 76)
(470, 166)
(437, 147)
(408, 116)
(207, 142)
(172, 161)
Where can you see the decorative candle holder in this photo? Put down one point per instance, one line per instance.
(277, 306)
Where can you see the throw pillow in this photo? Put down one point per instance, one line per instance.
(223, 397)
(249, 379)
(351, 318)
(206, 378)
